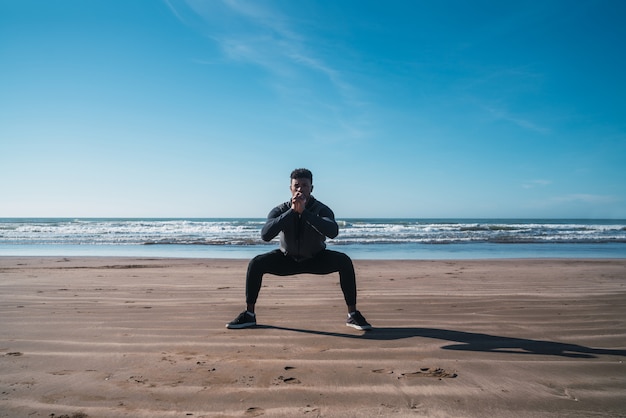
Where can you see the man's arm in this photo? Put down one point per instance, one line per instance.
(324, 222)
(275, 221)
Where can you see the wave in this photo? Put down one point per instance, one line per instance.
(244, 231)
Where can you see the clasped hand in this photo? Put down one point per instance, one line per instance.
(298, 202)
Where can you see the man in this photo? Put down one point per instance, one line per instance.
(303, 224)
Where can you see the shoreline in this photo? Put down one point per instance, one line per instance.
(145, 337)
(467, 251)
(70, 257)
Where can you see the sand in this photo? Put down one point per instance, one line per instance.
(130, 337)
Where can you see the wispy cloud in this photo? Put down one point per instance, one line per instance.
(290, 52)
(174, 10)
(536, 183)
(496, 90)
(254, 33)
(500, 113)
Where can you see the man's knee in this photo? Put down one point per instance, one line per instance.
(343, 258)
(261, 259)
(342, 263)
(255, 260)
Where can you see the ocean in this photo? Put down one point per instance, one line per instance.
(360, 238)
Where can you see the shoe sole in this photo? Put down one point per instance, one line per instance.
(240, 326)
(359, 327)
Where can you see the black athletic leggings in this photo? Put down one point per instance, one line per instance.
(324, 262)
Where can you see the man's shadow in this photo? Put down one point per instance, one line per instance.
(469, 341)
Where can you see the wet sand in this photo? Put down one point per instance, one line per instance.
(136, 337)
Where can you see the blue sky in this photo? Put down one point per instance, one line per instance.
(189, 108)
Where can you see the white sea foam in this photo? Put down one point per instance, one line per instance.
(352, 231)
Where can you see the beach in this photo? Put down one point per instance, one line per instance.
(146, 337)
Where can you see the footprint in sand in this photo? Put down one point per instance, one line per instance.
(288, 380)
(310, 409)
(254, 411)
(246, 380)
(61, 372)
(137, 379)
(383, 371)
(74, 415)
(428, 372)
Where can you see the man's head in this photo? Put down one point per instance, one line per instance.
(301, 182)
(302, 173)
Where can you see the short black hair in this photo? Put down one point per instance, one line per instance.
(302, 173)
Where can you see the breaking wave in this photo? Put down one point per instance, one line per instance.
(244, 232)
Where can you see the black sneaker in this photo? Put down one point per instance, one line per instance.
(357, 321)
(244, 320)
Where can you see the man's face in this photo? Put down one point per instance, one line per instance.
(301, 186)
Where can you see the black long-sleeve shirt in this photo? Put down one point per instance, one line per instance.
(301, 236)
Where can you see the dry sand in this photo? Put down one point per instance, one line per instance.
(129, 337)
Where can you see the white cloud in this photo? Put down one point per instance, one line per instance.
(253, 32)
(174, 10)
(502, 114)
(289, 51)
(536, 183)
